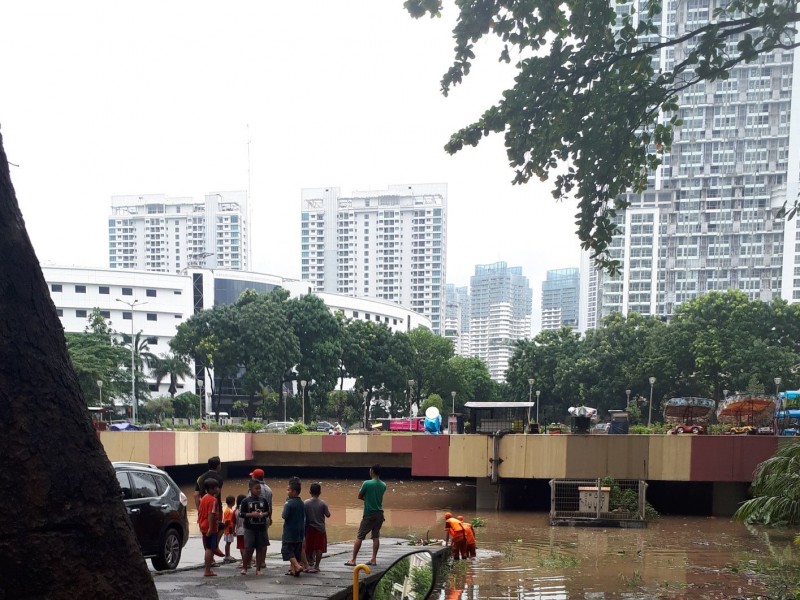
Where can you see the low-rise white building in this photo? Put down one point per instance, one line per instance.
(156, 303)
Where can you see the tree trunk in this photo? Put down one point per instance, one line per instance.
(61, 503)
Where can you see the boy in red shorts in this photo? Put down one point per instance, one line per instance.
(316, 538)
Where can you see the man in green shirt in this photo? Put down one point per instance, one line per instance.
(371, 493)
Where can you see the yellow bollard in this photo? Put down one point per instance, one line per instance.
(356, 569)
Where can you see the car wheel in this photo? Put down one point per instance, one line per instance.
(169, 554)
(695, 430)
(679, 430)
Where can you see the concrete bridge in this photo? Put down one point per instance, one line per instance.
(725, 463)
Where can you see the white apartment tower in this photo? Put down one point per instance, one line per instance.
(709, 218)
(154, 232)
(500, 314)
(389, 244)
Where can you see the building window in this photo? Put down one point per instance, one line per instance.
(104, 289)
(177, 292)
(127, 315)
(178, 316)
(127, 291)
(55, 287)
(60, 312)
(150, 293)
(80, 289)
(106, 314)
(152, 341)
(152, 317)
(81, 313)
(355, 314)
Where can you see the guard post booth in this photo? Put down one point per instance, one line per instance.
(491, 417)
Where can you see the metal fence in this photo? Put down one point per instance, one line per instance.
(598, 501)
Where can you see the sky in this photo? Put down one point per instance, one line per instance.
(184, 98)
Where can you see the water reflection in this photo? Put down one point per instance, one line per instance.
(521, 557)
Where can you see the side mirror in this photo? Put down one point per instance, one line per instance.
(412, 577)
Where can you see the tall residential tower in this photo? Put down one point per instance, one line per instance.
(389, 244)
(709, 219)
(560, 294)
(154, 232)
(500, 314)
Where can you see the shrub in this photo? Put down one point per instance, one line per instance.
(297, 428)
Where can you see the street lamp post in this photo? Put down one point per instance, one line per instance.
(303, 383)
(628, 401)
(411, 384)
(652, 380)
(201, 385)
(453, 394)
(530, 394)
(100, 390)
(366, 411)
(133, 367)
(283, 393)
(538, 393)
(777, 399)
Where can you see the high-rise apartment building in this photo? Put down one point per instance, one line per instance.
(500, 314)
(154, 232)
(560, 298)
(709, 218)
(456, 318)
(389, 244)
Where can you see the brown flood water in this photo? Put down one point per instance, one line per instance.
(521, 557)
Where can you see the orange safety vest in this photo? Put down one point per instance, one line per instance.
(469, 533)
(455, 527)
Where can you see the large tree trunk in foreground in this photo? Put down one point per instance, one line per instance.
(64, 532)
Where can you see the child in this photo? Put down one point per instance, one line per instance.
(294, 528)
(254, 511)
(316, 538)
(238, 520)
(208, 520)
(227, 519)
(469, 535)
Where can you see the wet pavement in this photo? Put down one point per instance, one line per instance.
(334, 580)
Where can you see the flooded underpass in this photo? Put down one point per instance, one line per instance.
(521, 557)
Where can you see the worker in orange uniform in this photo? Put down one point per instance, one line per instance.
(454, 533)
(469, 538)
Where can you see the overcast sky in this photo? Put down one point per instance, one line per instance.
(105, 98)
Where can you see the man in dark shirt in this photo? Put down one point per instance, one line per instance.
(254, 509)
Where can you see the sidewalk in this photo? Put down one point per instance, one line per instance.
(334, 580)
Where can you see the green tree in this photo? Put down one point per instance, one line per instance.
(319, 334)
(776, 490)
(186, 405)
(430, 366)
(593, 106)
(157, 409)
(434, 400)
(96, 356)
(170, 365)
(211, 338)
(470, 380)
(47, 434)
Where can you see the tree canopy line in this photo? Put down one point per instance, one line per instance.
(719, 341)
(593, 108)
(267, 343)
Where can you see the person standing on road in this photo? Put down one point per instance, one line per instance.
(208, 519)
(454, 533)
(266, 495)
(371, 493)
(214, 467)
(254, 511)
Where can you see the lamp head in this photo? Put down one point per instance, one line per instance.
(777, 381)
(100, 383)
(530, 381)
(652, 380)
(303, 382)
